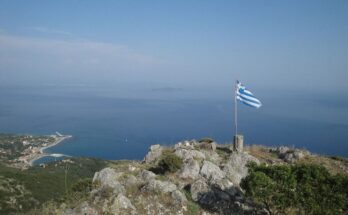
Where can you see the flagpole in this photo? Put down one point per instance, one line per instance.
(235, 108)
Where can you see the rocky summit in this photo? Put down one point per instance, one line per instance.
(190, 177)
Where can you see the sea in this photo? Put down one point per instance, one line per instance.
(121, 122)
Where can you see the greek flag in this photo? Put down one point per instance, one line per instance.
(246, 97)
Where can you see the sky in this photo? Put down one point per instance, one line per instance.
(175, 44)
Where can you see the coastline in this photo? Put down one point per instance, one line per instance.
(42, 152)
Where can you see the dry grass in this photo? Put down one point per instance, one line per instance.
(263, 154)
(333, 165)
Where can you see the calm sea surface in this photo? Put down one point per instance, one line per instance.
(121, 124)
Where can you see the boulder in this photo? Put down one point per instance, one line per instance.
(179, 198)
(109, 178)
(236, 168)
(130, 181)
(211, 172)
(207, 145)
(282, 150)
(212, 156)
(122, 204)
(190, 169)
(146, 175)
(154, 154)
(159, 186)
(198, 189)
(186, 154)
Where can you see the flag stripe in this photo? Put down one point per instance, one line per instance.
(246, 97)
(251, 104)
(249, 98)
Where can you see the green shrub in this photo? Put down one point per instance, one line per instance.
(298, 189)
(170, 163)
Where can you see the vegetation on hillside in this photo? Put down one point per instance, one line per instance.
(297, 189)
(21, 191)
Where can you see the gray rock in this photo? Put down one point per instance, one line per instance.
(160, 186)
(154, 154)
(282, 149)
(211, 172)
(108, 177)
(146, 175)
(198, 189)
(222, 184)
(236, 168)
(122, 203)
(179, 197)
(187, 154)
(208, 146)
(190, 169)
(212, 157)
(130, 181)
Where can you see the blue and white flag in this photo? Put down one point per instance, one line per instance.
(246, 97)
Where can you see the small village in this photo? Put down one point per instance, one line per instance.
(20, 151)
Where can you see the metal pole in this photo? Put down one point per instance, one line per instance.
(235, 108)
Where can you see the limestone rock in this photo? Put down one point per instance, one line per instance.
(236, 168)
(207, 145)
(187, 154)
(212, 156)
(130, 181)
(122, 204)
(154, 154)
(108, 177)
(160, 186)
(198, 189)
(190, 169)
(179, 198)
(211, 172)
(146, 175)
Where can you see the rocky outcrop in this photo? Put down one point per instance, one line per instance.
(290, 155)
(236, 166)
(187, 154)
(159, 186)
(190, 169)
(211, 172)
(108, 178)
(154, 154)
(210, 180)
(122, 205)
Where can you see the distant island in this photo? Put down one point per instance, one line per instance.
(190, 178)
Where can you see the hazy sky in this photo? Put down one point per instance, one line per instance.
(271, 44)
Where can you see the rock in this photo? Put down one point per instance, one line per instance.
(198, 189)
(187, 154)
(190, 169)
(120, 204)
(108, 177)
(222, 184)
(146, 175)
(159, 186)
(212, 157)
(154, 154)
(179, 197)
(211, 172)
(83, 208)
(236, 168)
(207, 145)
(282, 149)
(130, 181)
